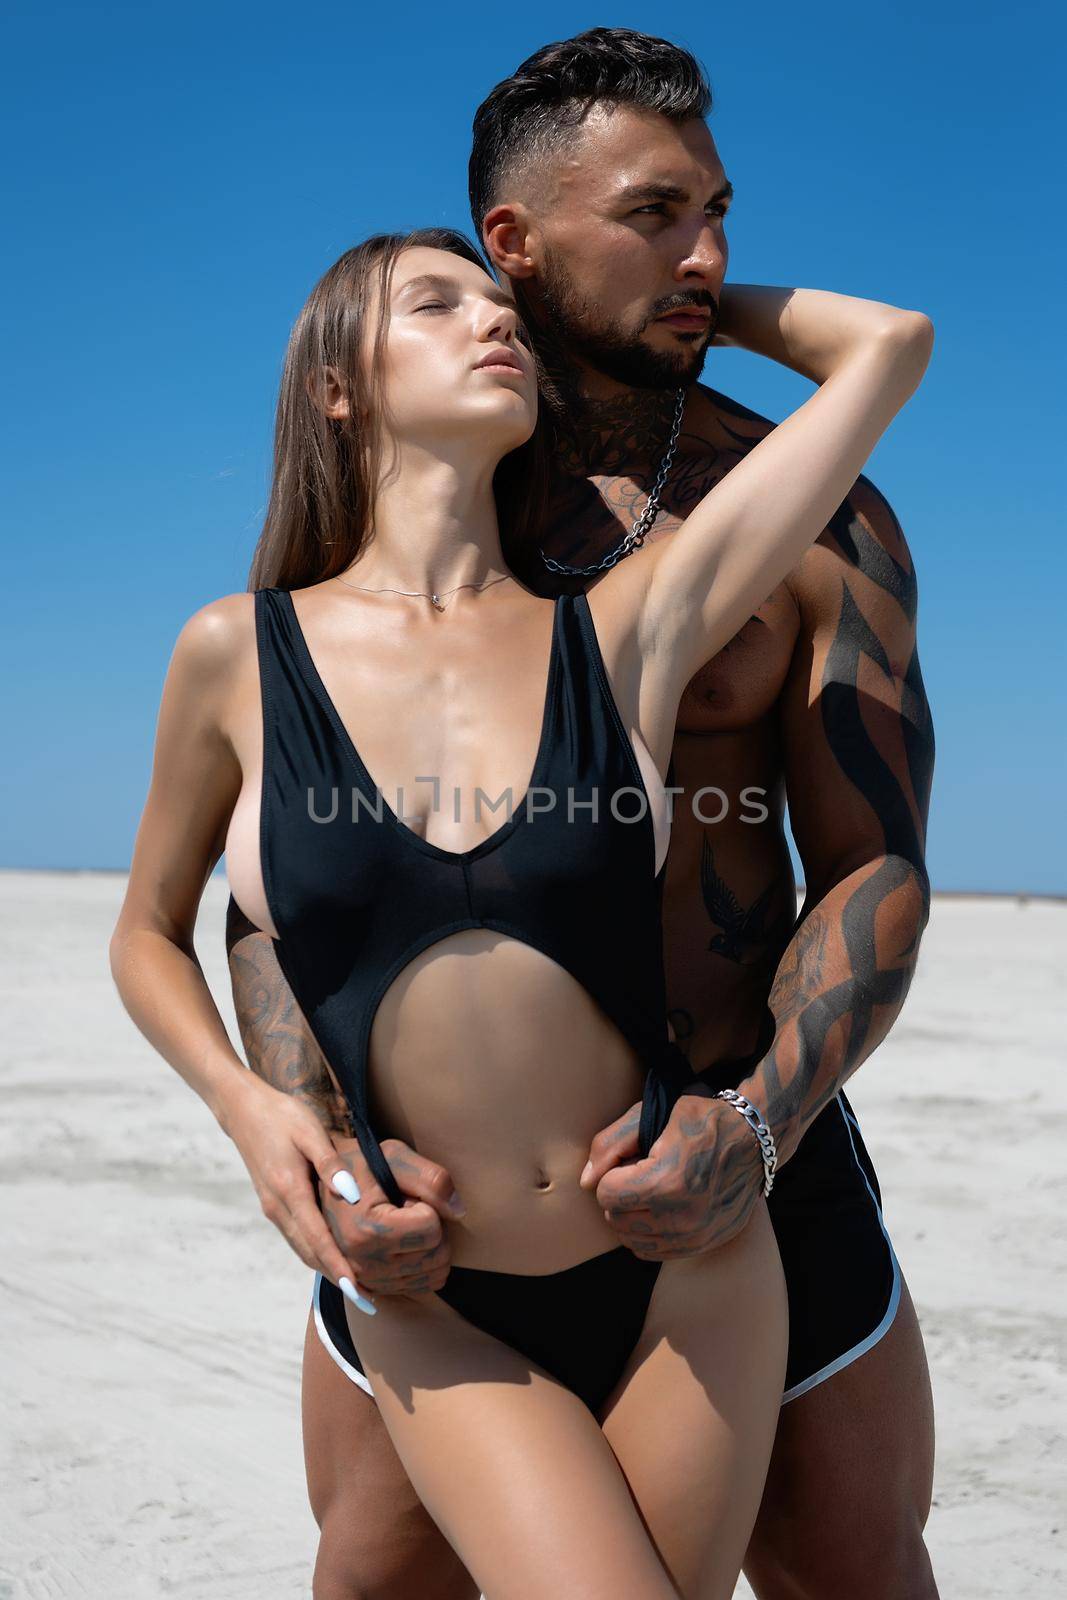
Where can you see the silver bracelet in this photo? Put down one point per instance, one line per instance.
(766, 1138)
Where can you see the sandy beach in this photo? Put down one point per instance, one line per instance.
(153, 1319)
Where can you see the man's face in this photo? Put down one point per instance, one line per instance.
(630, 229)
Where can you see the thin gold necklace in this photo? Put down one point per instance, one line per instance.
(434, 598)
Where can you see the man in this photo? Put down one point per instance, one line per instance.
(600, 196)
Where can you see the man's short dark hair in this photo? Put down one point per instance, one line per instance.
(532, 113)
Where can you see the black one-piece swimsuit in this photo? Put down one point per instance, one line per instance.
(571, 872)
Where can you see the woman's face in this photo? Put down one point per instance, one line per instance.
(455, 368)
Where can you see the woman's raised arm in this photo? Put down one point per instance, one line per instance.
(751, 529)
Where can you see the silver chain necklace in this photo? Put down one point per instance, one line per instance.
(434, 598)
(636, 536)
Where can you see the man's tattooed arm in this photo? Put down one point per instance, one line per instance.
(278, 1042)
(859, 754)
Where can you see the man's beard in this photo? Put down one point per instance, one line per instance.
(578, 328)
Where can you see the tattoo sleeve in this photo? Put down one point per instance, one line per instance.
(859, 761)
(280, 1046)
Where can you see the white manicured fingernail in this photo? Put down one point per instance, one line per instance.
(345, 1185)
(350, 1292)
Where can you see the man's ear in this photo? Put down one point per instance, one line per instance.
(511, 240)
(327, 391)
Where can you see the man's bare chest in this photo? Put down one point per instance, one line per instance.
(740, 686)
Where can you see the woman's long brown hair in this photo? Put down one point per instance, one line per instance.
(325, 468)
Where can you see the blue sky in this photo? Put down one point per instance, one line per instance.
(181, 177)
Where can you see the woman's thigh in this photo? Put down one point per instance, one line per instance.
(692, 1419)
(514, 1469)
(376, 1535)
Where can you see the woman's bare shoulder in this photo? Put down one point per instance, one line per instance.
(217, 638)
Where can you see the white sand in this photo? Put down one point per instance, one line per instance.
(152, 1319)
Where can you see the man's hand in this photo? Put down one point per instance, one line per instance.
(393, 1249)
(379, 1247)
(695, 1190)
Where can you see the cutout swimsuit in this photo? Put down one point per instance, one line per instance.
(575, 872)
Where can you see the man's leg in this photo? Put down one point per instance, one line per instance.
(850, 1481)
(376, 1540)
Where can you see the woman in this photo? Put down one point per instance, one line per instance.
(490, 991)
